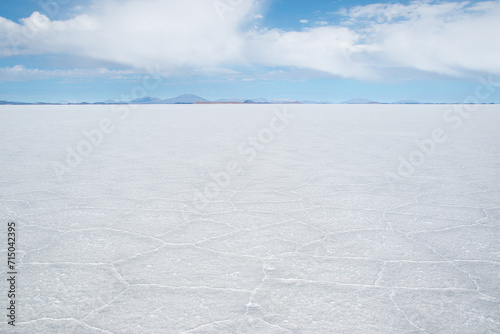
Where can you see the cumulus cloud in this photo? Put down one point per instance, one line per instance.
(195, 33)
(444, 38)
(448, 38)
(37, 34)
(326, 49)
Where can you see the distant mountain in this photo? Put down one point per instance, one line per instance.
(181, 99)
(184, 99)
(147, 100)
(192, 99)
(109, 101)
(406, 102)
(260, 100)
(236, 99)
(314, 102)
(359, 100)
(240, 100)
(283, 101)
(13, 103)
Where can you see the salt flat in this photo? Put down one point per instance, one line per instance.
(253, 219)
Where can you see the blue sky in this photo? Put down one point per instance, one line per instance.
(68, 50)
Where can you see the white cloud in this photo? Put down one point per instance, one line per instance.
(448, 38)
(143, 33)
(324, 49)
(37, 34)
(21, 73)
(389, 12)
(304, 21)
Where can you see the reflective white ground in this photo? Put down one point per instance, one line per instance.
(252, 219)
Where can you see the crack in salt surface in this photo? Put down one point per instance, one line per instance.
(339, 172)
(405, 315)
(66, 319)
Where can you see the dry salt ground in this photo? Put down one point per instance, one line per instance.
(252, 219)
